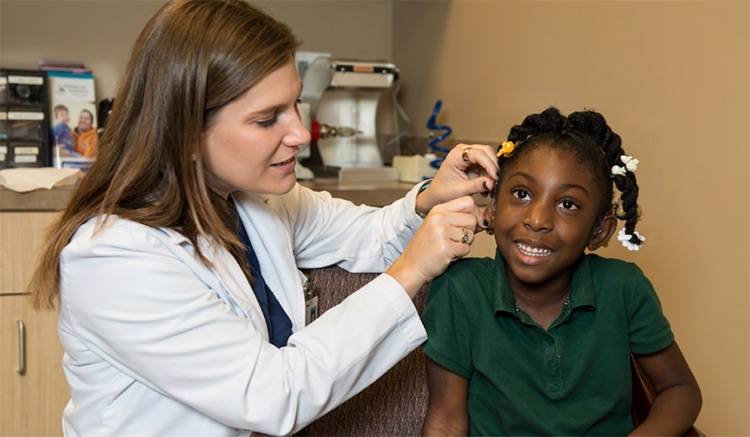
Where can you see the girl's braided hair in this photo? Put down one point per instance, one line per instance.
(593, 144)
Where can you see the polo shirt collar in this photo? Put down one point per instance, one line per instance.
(582, 293)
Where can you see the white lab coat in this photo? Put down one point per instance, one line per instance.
(157, 343)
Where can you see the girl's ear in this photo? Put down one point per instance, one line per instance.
(489, 215)
(603, 232)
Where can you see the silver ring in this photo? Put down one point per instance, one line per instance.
(465, 236)
(465, 155)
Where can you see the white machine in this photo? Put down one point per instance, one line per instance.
(302, 172)
(354, 115)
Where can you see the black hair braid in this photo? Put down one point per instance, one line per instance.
(629, 200)
(594, 125)
(548, 121)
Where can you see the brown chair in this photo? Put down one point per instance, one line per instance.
(395, 405)
(644, 395)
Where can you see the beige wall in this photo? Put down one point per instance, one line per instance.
(672, 79)
(101, 33)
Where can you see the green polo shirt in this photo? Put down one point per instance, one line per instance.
(572, 379)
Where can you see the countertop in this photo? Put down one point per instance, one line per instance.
(34, 201)
(369, 193)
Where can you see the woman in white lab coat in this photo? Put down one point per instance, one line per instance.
(175, 264)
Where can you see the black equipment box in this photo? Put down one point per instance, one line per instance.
(24, 119)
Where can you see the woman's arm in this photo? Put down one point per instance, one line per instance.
(329, 231)
(678, 397)
(447, 411)
(142, 302)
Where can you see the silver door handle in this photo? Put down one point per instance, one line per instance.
(21, 348)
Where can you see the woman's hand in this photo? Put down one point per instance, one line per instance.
(467, 170)
(445, 235)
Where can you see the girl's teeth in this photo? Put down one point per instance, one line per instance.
(532, 251)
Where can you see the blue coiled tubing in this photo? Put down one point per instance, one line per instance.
(432, 126)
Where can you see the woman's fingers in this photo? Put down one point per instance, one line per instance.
(467, 170)
(444, 236)
(478, 155)
(459, 212)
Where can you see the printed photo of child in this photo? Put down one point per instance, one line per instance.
(62, 136)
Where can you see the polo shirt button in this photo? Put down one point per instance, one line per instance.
(553, 367)
(550, 340)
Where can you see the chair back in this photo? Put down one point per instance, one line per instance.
(395, 405)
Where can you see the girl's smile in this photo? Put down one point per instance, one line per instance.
(530, 250)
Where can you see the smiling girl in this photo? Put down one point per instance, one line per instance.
(538, 340)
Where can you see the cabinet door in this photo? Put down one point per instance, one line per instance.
(21, 237)
(32, 403)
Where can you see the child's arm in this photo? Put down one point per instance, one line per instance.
(447, 411)
(678, 397)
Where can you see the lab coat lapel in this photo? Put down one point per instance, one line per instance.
(239, 288)
(273, 245)
(226, 278)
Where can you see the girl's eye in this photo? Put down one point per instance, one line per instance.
(268, 123)
(568, 204)
(521, 194)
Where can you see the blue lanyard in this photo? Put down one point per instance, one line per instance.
(278, 323)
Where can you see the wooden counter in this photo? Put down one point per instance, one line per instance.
(369, 193)
(34, 201)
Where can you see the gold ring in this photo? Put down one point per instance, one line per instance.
(465, 236)
(465, 155)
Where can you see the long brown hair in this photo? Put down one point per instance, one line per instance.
(193, 58)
